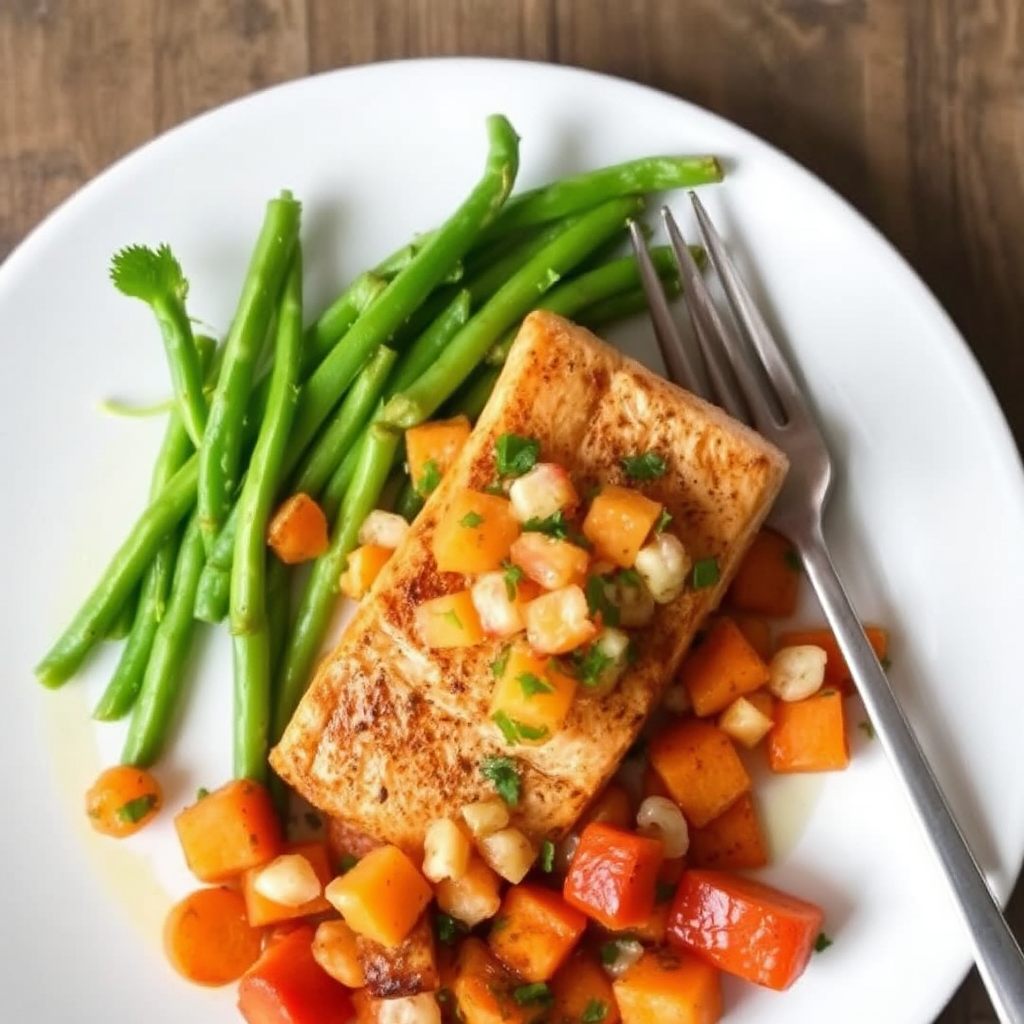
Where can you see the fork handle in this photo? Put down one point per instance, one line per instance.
(996, 952)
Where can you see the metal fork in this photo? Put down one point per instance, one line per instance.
(745, 390)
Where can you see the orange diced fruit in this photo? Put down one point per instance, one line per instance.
(262, 911)
(551, 562)
(475, 533)
(431, 448)
(618, 522)
(767, 581)
(733, 840)
(449, 621)
(669, 985)
(758, 632)
(559, 622)
(382, 896)
(298, 530)
(700, 768)
(531, 697)
(809, 735)
(721, 668)
(364, 566)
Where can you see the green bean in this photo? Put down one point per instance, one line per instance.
(428, 268)
(278, 611)
(265, 467)
(409, 501)
(618, 307)
(165, 677)
(344, 426)
(470, 399)
(122, 625)
(220, 454)
(592, 188)
(376, 457)
(429, 345)
(509, 304)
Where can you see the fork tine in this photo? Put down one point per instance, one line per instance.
(750, 320)
(708, 326)
(677, 360)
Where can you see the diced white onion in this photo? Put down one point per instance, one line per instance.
(336, 951)
(288, 880)
(485, 816)
(541, 492)
(499, 614)
(384, 528)
(663, 565)
(629, 951)
(633, 600)
(796, 673)
(446, 851)
(509, 853)
(421, 1009)
(744, 722)
(660, 818)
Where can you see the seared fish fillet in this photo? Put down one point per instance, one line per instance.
(391, 734)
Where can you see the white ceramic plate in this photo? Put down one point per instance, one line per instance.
(927, 521)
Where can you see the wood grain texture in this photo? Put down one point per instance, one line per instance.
(912, 109)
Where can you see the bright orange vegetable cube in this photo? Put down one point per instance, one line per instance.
(551, 562)
(613, 805)
(534, 931)
(364, 566)
(483, 988)
(228, 831)
(582, 985)
(531, 697)
(758, 632)
(298, 530)
(837, 673)
(475, 533)
(559, 622)
(733, 840)
(700, 767)
(618, 522)
(449, 621)
(431, 448)
(809, 735)
(669, 985)
(721, 668)
(382, 896)
(767, 581)
(262, 911)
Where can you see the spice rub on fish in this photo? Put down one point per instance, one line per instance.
(391, 734)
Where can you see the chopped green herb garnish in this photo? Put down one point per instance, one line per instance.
(792, 560)
(648, 466)
(495, 488)
(452, 617)
(499, 663)
(663, 892)
(515, 731)
(499, 923)
(347, 863)
(821, 943)
(531, 684)
(513, 575)
(313, 820)
(537, 993)
(610, 953)
(471, 520)
(594, 1012)
(867, 728)
(135, 810)
(516, 455)
(547, 856)
(553, 525)
(202, 792)
(826, 693)
(429, 479)
(886, 664)
(503, 773)
(664, 518)
(630, 577)
(597, 601)
(705, 573)
(448, 929)
(590, 665)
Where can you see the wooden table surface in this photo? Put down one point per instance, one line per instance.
(912, 109)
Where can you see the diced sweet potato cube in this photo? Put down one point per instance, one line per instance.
(758, 632)
(431, 448)
(700, 767)
(721, 668)
(618, 522)
(531, 697)
(483, 988)
(767, 581)
(669, 985)
(298, 530)
(582, 990)
(475, 533)
(732, 840)
(809, 735)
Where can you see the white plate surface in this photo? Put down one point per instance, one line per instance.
(927, 521)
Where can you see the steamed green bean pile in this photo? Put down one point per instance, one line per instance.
(288, 404)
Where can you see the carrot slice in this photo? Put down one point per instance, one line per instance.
(287, 986)
(228, 831)
(767, 581)
(744, 927)
(122, 800)
(613, 876)
(666, 985)
(208, 939)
